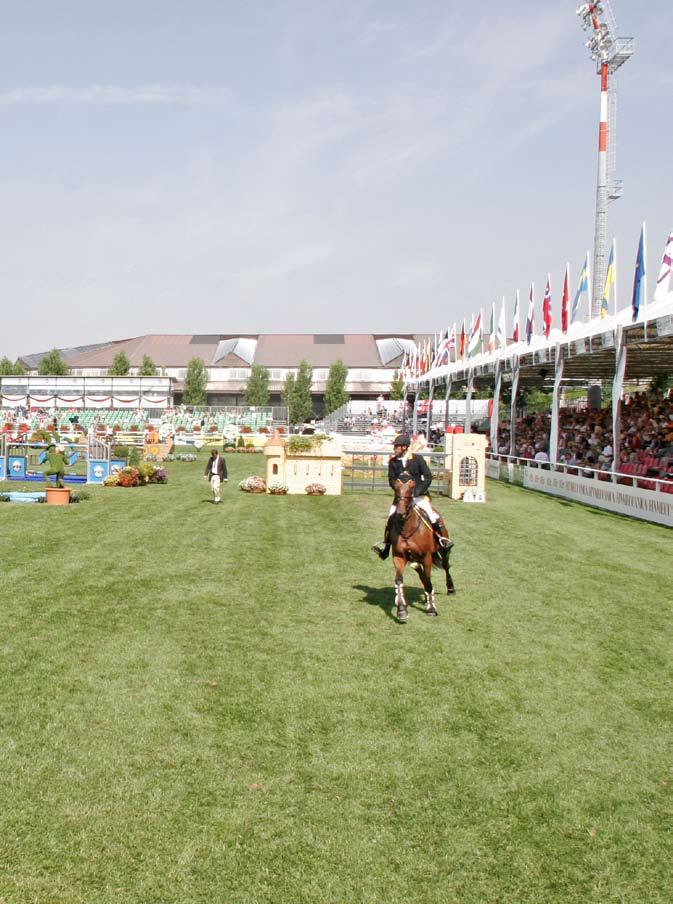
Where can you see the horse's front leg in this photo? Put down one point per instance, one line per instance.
(400, 601)
(425, 573)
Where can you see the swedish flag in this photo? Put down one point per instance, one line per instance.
(609, 283)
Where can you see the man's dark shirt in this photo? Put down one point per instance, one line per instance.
(416, 468)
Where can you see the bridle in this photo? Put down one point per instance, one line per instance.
(403, 512)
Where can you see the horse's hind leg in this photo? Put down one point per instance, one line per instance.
(425, 574)
(400, 601)
(450, 588)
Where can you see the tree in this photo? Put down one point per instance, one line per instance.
(148, 368)
(287, 395)
(196, 380)
(335, 391)
(6, 367)
(303, 400)
(19, 369)
(120, 365)
(257, 387)
(397, 387)
(53, 365)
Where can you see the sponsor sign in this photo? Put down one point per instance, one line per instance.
(648, 505)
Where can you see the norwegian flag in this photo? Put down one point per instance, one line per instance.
(546, 308)
(664, 278)
(565, 299)
(530, 320)
(515, 321)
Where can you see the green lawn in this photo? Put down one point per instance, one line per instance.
(215, 704)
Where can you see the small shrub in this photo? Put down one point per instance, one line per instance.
(133, 458)
(296, 445)
(111, 481)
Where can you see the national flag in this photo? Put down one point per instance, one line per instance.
(565, 298)
(501, 332)
(442, 355)
(515, 323)
(474, 343)
(463, 343)
(530, 319)
(451, 339)
(609, 283)
(491, 331)
(664, 279)
(638, 277)
(546, 308)
(582, 288)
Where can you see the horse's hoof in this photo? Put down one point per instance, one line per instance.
(402, 616)
(451, 591)
(432, 611)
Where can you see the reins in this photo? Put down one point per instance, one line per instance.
(404, 517)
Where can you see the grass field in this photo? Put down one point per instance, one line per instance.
(215, 704)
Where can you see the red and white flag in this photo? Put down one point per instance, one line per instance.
(565, 300)
(515, 321)
(530, 320)
(546, 308)
(664, 278)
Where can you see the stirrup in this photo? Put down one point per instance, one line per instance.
(381, 551)
(445, 542)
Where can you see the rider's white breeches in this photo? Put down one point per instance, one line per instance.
(423, 503)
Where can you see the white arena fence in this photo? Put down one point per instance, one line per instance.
(649, 499)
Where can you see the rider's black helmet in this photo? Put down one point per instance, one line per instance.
(402, 439)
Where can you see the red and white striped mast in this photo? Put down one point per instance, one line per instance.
(610, 53)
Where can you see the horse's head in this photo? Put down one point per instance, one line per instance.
(404, 496)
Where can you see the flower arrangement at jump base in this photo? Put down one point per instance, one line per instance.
(182, 456)
(141, 475)
(316, 489)
(254, 484)
(278, 489)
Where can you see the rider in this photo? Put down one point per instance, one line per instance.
(405, 465)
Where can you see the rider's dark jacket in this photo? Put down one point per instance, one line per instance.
(416, 468)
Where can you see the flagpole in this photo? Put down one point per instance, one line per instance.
(645, 279)
(614, 263)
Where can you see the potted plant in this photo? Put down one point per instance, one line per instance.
(316, 489)
(278, 489)
(254, 484)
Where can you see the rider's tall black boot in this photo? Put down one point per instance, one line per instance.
(442, 533)
(382, 550)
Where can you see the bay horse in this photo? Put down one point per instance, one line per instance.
(413, 541)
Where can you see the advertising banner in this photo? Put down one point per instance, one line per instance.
(648, 505)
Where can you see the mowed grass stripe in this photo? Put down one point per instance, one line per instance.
(214, 703)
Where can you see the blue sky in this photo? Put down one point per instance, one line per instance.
(310, 166)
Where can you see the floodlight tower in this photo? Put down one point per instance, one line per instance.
(609, 52)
